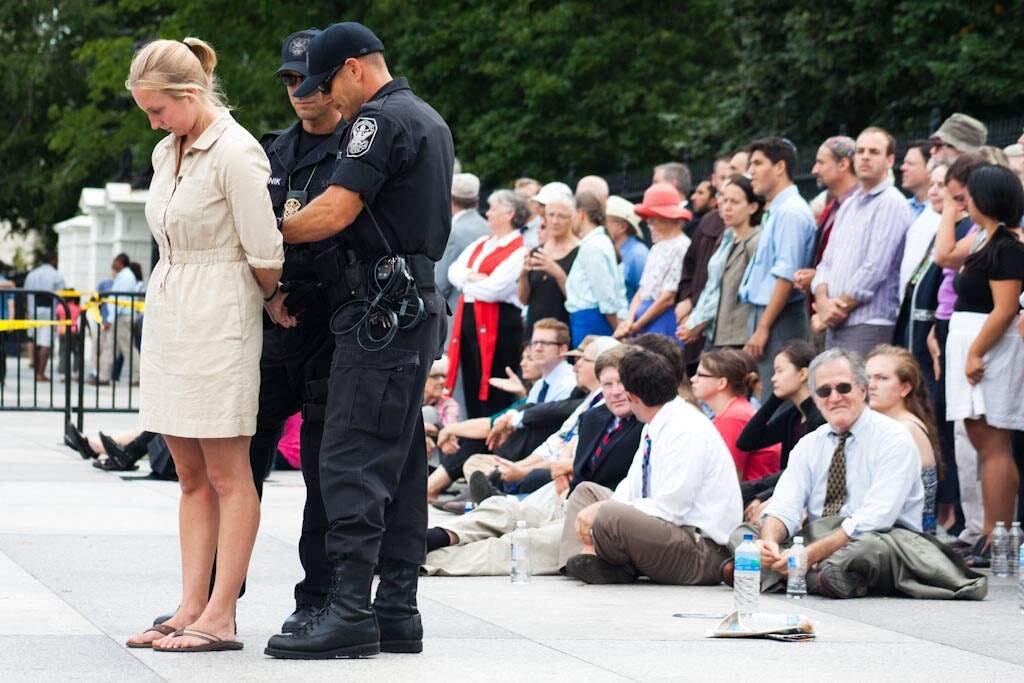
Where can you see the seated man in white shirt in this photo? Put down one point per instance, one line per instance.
(601, 451)
(485, 473)
(855, 478)
(670, 518)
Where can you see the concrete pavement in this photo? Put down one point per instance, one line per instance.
(87, 558)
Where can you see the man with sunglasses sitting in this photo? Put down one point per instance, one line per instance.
(853, 491)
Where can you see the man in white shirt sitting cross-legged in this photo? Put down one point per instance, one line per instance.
(670, 518)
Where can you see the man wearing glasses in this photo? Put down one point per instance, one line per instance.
(855, 478)
(959, 134)
(302, 159)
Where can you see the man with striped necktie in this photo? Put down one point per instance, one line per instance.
(857, 481)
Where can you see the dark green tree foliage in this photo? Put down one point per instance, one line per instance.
(544, 88)
(808, 68)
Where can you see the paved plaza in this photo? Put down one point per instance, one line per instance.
(87, 558)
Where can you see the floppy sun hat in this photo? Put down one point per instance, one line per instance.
(662, 200)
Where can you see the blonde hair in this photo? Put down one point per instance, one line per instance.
(176, 67)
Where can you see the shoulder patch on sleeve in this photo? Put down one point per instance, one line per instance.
(363, 131)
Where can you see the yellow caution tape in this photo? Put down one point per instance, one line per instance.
(12, 325)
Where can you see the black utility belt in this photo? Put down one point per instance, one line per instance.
(375, 300)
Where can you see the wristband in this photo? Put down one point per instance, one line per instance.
(267, 299)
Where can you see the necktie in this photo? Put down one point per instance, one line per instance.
(835, 492)
(645, 468)
(615, 425)
(543, 392)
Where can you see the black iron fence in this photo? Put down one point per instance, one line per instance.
(52, 341)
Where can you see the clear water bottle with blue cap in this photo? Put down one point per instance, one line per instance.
(746, 585)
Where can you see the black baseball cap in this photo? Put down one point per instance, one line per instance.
(329, 50)
(293, 52)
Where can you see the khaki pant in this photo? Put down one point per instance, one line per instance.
(485, 536)
(112, 343)
(660, 550)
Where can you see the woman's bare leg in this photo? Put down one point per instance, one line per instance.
(230, 476)
(999, 475)
(197, 526)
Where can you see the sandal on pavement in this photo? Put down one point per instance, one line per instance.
(162, 629)
(79, 442)
(212, 644)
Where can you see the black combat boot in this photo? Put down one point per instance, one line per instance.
(299, 618)
(345, 628)
(401, 629)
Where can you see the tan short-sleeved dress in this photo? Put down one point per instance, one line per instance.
(202, 331)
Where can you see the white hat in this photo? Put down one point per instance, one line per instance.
(620, 207)
(550, 192)
(601, 344)
(465, 186)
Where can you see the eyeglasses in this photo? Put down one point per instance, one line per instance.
(325, 87)
(542, 342)
(843, 388)
(291, 80)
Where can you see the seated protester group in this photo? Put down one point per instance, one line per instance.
(489, 474)
(857, 482)
(724, 381)
(515, 432)
(608, 436)
(461, 440)
(784, 418)
(671, 517)
(896, 387)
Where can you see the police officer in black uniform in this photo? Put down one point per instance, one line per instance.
(296, 358)
(390, 202)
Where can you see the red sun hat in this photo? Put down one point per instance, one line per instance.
(662, 200)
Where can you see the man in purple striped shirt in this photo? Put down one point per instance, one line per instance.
(856, 287)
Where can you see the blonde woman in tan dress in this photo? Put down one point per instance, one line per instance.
(220, 259)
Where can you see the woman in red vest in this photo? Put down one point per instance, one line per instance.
(487, 332)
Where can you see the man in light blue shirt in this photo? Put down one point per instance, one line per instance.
(914, 175)
(117, 338)
(44, 277)
(779, 313)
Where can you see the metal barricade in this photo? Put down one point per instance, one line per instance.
(109, 348)
(32, 323)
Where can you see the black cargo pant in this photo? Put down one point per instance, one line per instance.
(373, 461)
(293, 377)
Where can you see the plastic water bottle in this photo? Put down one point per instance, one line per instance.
(519, 568)
(1020, 578)
(1000, 551)
(1016, 539)
(747, 578)
(796, 570)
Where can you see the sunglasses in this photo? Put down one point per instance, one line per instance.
(843, 388)
(291, 80)
(325, 87)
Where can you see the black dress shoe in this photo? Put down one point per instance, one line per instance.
(299, 618)
(119, 457)
(401, 629)
(77, 440)
(481, 488)
(345, 628)
(592, 569)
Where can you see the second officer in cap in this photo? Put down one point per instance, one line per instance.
(296, 357)
(390, 201)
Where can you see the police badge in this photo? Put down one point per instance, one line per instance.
(295, 201)
(363, 132)
(298, 46)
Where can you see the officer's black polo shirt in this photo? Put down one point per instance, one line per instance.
(397, 155)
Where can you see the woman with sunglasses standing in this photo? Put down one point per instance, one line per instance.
(985, 359)
(220, 260)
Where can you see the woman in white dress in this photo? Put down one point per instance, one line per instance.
(220, 259)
